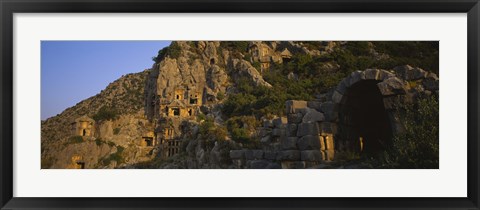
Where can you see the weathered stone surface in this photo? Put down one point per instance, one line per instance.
(291, 129)
(237, 154)
(278, 132)
(257, 154)
(248, 154)
(327, 127)
(329, 154)
(274, 166)
(337, 97)
(312, 115)
(259, 164)
(391, 86)
(309, 142)
(293, 164)
(409, 73)
(328, 109)
(270, 155)
(342, 86)
(314, 105)
(294, 118)
(288, 155)
(371, 74)
(289, 143)
(402, 71)
(311, 155)
(383, 74)
(354, 78)
(307, 129)
(279, 122)
(431, 82)
(293, 106)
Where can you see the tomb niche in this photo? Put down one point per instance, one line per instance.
(77, 162)
(83, 126)
(286, 55)
(148, 139)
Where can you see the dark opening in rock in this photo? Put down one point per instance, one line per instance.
(364, 120)
(193, 100)
(176, 111)
(149, 141)
(80, 165)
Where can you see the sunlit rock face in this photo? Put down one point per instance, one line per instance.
(156, 118)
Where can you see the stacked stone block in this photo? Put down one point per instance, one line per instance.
(303, 139)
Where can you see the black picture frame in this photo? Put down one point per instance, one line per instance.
(9, 7)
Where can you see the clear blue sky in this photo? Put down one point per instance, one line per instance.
(72, 71)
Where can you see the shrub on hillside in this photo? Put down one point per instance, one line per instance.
(418, 145)
(105, 113)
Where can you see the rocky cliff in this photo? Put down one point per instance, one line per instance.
(207, 104)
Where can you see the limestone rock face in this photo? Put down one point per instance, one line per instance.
(201, 75)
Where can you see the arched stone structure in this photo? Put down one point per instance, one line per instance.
(366, 119)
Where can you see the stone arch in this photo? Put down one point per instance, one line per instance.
(366, 120)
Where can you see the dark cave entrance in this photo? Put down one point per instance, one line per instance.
(148, 141)
(80, 165)
(365, 122)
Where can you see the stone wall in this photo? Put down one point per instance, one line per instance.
(299, 140)
(312, 131)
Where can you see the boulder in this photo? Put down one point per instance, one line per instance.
(309, 142)
(293, 106)
(391, 86)
(307, 129)
(237, 154)
(312, 115)
(288, 155)
(311, 155)
(294, 117)
(289, 143)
